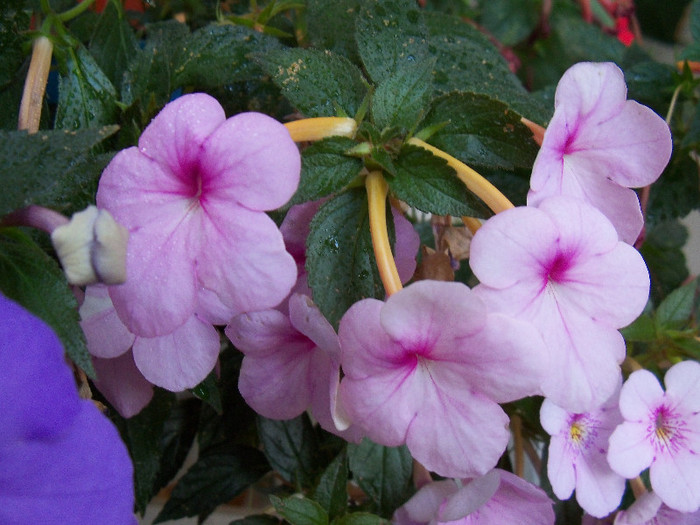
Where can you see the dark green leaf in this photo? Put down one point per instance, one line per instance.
(642, 330)
(510, 21)
(290, 447)
(360, 518)
(86, 97)
(468, 61)
(695, 21)
(325, 169)
(427, 183)
(676, 193)
(332, 491)
(151, 72)
(113, 44)
(390, 34)
(40, 168)
(339, 256)
(664, 258)
(217, 476)
(651, 84)
(675, 310)
(176, 441)
(384, 473)
(402, 97)
(14, 20)
(318, 83)
(330, 23)
(208, 391)
(481, 131)
(300, 511)
(34, 280)
(143, 437)
(218, 54)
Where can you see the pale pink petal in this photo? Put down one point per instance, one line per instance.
(245, 263)
(643, 510)
(123, 384)
(503, 252)
(630, 452)
(554, 419)
(261, 333)
(640, 396)
(417, 318)
(211, 309)
(471, 497)
(181, 359)
(447, 434)
(675, 477)
(683, 386)
(598, 489)
(560, 468)
(516, 501)
(106, 335)
(308, 319)
(295, 228)
(251, 160)
(175, 136)
(425, 504)
(406, 246)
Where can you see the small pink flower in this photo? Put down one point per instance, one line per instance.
(662, 431)
(193, 196)
(598, 145)
(561, 267)
(498, 497)
(428, 367)
(578, 455)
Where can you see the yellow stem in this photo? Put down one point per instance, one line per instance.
(472, 224)
(35, 85)
(637, 486)
(377, 190)
(321, 127)
(630, 364)
(474, 182)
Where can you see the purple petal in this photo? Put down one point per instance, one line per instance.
(675, 478)
(295, 228)
(251, 160)
(106, 335)
(83, 475)
(560, 467)
(630, 450)
(261, 333)
(123, 384)
(174, 137)
(598, 489)
(406, 247)
(308, 320)
(423, 507)
(517, 501)
(472, 496)
(640, 396)
(683, 386)
(181, 359)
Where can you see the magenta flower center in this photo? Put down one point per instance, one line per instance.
(667, 430)
(556, 270)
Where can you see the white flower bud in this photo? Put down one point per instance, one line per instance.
(92, 248)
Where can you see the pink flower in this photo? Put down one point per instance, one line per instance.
(497, 497)
(193, 196)
(291, 362)
(175, 361)
(649, 510)
(598, 145)
(578, 455)
(662, 431)
(428, 367)
(561, 267)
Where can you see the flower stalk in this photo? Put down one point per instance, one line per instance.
(35, 85)
(377, 190)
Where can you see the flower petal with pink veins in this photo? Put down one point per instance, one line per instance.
(123, 384)
(181, 359)
(106, 335)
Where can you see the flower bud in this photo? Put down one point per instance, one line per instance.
(92, 248)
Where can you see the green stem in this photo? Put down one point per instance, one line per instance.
(75, 11)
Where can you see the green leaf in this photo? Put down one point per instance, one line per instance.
(384, 473)
(339, 255)
(257, 519)
(666, 262)
(332, 491)
(290, 447)
(510, 21)
(143, 437)
(218, 475)
(218, 54)
(178, 435)
(481, 131)
(34, 280)
(676, 309)
(390, 34)
(208, 391)
(41, 168)
(86, 97)
(401, 98)
(317, 83)
(468, 61)
(325, 169)
(695, 20)
(330, 26)
(113, 44)
(300, 511)
(676, 193)
(427, 183)
(150, 76)
(14, 20)
(642, 330)
(360, 518)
